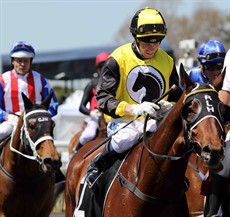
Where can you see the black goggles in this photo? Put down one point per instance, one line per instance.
(213, 56)
(212, 66)
(151, 28)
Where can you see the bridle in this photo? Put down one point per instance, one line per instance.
(41, 117)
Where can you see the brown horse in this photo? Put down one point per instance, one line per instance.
(29, 161)
(196, 171)
(102, 132)
(150, 180)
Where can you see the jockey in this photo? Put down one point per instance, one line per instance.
(211, 56)
(211, 60)
(90, 131)
(133, 76)
(21, 79)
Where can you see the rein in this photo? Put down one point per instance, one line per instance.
(32, 144)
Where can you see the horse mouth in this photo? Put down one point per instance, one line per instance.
(213, 163)
(49, 165)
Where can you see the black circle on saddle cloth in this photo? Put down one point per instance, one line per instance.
(145, 83)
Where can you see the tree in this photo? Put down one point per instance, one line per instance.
(205, 22)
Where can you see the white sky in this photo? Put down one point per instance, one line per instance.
(51, 25)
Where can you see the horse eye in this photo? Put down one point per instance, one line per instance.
(191, 116)
(32, 126)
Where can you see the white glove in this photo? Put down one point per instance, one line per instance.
(165, 107)
(145, 107)
(13, 119)
(95, 113)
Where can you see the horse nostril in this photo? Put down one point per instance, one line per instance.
(214, 154)
(52, 163)
(206, 149)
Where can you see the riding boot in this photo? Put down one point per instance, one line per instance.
(79, 145)
(98, 165)
(215, 195)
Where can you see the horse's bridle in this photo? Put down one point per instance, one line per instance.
(32, 142)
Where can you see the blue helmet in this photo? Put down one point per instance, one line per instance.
(22, 49)
(211, 51)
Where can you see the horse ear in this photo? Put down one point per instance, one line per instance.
(27, 103)
(185, 80)
(218, 82)
(46, 101)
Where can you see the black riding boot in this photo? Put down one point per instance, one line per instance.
(79, 145)
(215, 195)
(98, 165)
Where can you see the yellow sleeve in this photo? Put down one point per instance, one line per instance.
(120, 110)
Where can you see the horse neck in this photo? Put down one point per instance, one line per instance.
(13, 162)
(167, 140)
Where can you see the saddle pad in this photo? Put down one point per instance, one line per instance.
(91, 204)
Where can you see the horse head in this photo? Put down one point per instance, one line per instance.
(204, 118)
(37, 135)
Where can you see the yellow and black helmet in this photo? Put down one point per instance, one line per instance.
(148, 22)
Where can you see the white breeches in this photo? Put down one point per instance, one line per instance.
(6, 129)
(127, 137)
(90, 131)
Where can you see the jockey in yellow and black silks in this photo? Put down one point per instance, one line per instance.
(133, 76)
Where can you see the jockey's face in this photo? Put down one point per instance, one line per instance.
(21, 65)
(212, 71)
(148, 49)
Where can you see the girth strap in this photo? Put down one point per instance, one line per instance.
(132, 188)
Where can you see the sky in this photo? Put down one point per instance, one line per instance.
(51, 25)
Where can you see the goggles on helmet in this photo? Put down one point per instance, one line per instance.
(151, 39)
(151, 29)
(211, 56)
(211, 66)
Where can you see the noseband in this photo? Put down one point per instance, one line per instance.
(32, 142)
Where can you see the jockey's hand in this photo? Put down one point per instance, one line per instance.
(95, 113)
(145, 107)
(13, 119)
(165, 107)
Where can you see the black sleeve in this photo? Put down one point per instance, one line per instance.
(107, 86)
(174, 79)
(87, 95)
